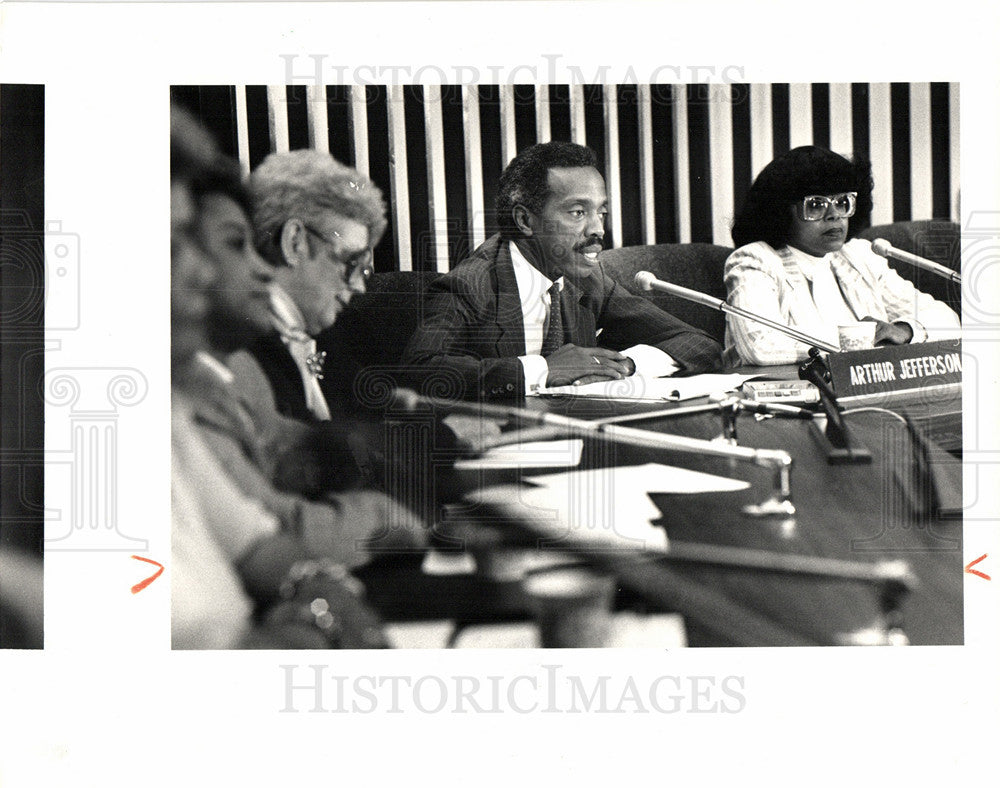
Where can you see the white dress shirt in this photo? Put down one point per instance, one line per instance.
(533, 290)
(830, 304)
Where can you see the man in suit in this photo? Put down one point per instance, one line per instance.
(524, 311)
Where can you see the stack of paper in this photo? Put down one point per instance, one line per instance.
(537, 454)
(606, 507)
(638, 387)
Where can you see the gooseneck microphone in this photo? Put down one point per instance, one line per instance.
(648, 281)
(885, 249)
(774, 409)
(409, 401)
(776, 460)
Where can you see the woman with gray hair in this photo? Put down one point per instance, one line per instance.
(307, 185)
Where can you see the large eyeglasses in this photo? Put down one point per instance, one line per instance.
(360, 262)
(815, 206)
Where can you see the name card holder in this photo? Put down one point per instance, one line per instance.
(894, 371)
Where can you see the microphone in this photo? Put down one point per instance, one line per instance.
(774, 459)
(410, 401)
(840, 449)
(775, 409)
(885, 249)
(648, 281)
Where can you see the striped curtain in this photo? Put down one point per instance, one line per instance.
(677, 159)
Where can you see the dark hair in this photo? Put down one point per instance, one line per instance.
(191, 146)
(789, 178)
(195, 160)
(222, 176)
(525, 181)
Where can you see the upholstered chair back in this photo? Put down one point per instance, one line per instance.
(696, 266)
(364, 347)
(935, 239)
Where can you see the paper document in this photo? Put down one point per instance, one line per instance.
(638, 387)
(538, 454)
(605, 507)
(651, 362)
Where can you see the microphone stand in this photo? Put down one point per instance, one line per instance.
(778, 504)
(548, 432)
(794, 333)
(892, 580)
(652, 575)
(885, 249)
(836, 437)
(728, 405)
(647, 281)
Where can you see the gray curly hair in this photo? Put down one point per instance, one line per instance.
(304, 184)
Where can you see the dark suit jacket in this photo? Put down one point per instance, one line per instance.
(351, 450)
(282, 373)
(473, 331)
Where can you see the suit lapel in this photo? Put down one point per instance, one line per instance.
(509, 320)
(278, 365)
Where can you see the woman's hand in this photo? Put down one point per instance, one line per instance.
(891, 333)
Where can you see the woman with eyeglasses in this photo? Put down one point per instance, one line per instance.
(797, 262)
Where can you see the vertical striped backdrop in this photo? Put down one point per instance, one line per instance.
(677, 159)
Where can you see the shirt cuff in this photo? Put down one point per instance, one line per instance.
(651, 362)
(536, 372)
(919, 332)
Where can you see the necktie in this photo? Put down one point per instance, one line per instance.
(303, 350)
(554, 336)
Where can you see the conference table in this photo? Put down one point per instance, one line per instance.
(867, 557)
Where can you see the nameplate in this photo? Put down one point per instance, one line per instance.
(896, 368)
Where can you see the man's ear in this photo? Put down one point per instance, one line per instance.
(293, 242)
(524, 220)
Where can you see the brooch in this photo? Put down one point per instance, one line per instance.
(315, 361)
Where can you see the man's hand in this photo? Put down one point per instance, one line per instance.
(891, 333)
(570, 364)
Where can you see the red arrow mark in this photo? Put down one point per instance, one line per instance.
(971, 571)
(139, 586)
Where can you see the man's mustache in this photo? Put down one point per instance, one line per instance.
(594, 240)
